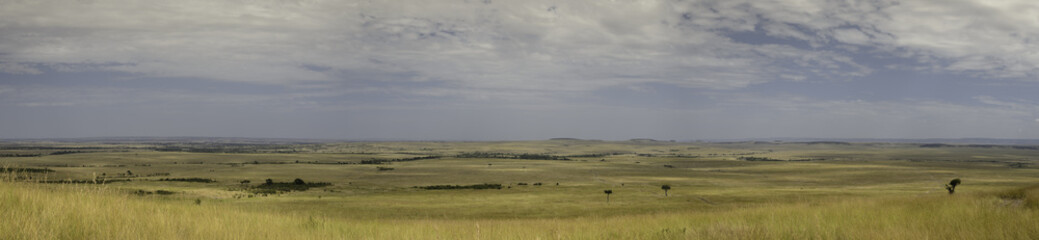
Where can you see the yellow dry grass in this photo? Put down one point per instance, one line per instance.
(31, 211)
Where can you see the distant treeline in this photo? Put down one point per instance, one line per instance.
(20, 155)
(528, 156)
(109, 165)
(205, 150)
(735, 154)
(451, 187)
(595, 155)
(37, 154)
(766, 159)
(382, 161)
(26, 170)
(226, 148)
(98, 181)
(827, 142)
(201, 180)
(66, 152)
(271, 187)
(59, 148)
(942, 145)
(159, 192)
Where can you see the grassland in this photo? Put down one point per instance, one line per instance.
(784, 190)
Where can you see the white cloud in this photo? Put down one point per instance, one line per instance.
(509, 44)
(988, 38)
(16, 68)
(525, 51)
(516, 45)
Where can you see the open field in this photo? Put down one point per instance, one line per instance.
(550, 189)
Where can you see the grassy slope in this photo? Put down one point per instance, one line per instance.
(89, 212)
(863, 191)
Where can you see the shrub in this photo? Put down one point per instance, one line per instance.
(26, 170)
(200, 180)
(272, 187)
(163, 192)
(450, 187)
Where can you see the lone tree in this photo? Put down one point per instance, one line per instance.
(665, 187)
(608, 192)
(269, 182)
(952, 185)
(299, 182)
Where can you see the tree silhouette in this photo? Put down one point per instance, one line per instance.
(665, 188)
(299, 182)
(952, 185)
(608, 192)
(269, 182)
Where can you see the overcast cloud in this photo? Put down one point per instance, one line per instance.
(495, 70)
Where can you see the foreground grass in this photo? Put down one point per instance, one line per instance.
(33, 211)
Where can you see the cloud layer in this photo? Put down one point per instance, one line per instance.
(671, 58)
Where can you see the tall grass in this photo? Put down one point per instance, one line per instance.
(34, 211)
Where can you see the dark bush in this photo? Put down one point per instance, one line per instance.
(160, 192)
(528, 156)
(199, 180)
(272, 187)
(163, 192)
(26, 170)
(451, 187)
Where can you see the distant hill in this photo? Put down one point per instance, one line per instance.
(989, 141)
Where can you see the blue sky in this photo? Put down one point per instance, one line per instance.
(518, 70)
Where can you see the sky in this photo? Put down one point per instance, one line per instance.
(519, 70)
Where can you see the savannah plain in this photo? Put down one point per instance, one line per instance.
(553, 189)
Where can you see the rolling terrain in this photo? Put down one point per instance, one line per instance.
(519, 190)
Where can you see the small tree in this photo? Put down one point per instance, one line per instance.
(665, 188)
(270, 182)
(299, 182)
(608, 192)
(952, 185)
